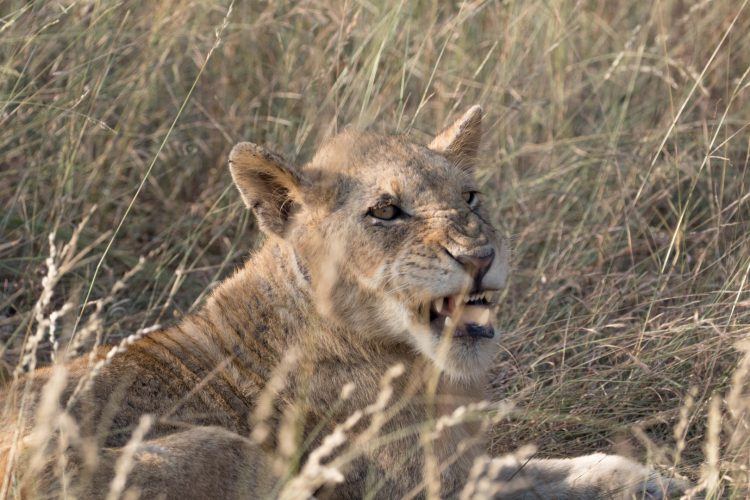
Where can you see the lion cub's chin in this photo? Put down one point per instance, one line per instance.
(463, 351)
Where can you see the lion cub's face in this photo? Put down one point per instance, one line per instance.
(392, 238)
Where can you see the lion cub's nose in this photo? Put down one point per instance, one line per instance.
(477, 265)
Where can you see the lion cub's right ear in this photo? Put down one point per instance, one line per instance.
(459, 142)
(268, 185)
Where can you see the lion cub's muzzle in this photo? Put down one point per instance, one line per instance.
(468, 314)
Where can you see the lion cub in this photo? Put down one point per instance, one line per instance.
(379, 254)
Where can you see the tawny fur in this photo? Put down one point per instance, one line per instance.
(348, 295)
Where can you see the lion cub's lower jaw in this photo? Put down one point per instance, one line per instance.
(457, 333)
(461, 357)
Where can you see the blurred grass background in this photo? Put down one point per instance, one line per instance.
(615, 154)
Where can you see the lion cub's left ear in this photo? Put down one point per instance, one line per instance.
(269, 185)
(460, 141)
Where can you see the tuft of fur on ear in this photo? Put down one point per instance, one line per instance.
(460, 141)
(269, 185)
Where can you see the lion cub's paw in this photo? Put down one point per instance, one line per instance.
(659, 487)
(619, 477)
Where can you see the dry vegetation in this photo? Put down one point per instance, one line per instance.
(616, 154)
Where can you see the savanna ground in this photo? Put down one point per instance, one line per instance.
(615, 154)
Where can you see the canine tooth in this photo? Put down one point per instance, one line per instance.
(439, 304)
(484, 317)
(476, 314)
(448, 323)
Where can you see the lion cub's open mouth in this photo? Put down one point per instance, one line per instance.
(468, 316)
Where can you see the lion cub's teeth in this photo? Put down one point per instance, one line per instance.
(438, 304)
(476, 314)
(474, 297)
(484, 318)
(448, 323)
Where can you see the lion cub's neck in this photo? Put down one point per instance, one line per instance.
(260, 311)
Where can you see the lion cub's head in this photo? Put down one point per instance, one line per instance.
(390, 236)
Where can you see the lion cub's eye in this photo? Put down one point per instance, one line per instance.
(471, 198)
(384, 212)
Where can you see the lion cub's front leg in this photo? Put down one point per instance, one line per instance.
(201, 462)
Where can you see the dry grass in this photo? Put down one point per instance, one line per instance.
(616, 154)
